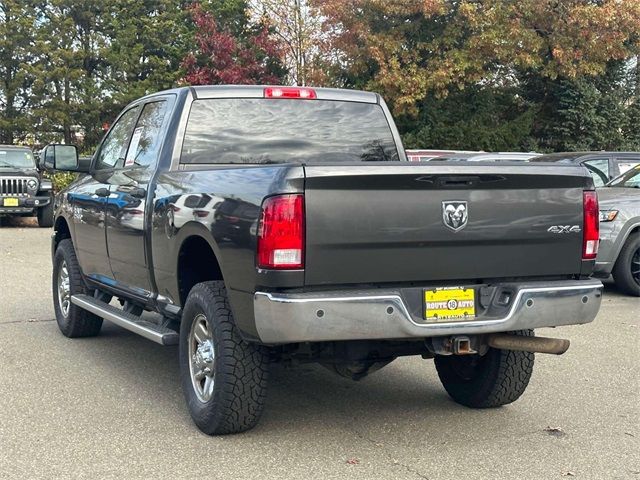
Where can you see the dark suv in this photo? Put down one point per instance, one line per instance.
(23, 190)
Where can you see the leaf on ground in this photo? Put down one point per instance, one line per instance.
(353, 461)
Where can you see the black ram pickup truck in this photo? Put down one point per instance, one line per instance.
(24, 192)
(253, 225)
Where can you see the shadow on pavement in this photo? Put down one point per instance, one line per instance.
(301, 396)
(18, 222)
(611, 290)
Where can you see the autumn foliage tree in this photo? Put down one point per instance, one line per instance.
(307, 47)
(408, 49)
(463, 74)
(221, 57)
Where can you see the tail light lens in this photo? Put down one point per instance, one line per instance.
(281, 233)
(290, 92)
(200, 213)
(591, 225)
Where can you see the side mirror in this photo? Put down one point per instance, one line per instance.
(61, 157)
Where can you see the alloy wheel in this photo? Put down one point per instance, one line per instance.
(635, 266)
(202, 358)
(64, 289)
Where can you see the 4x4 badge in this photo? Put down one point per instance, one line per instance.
(455, 214)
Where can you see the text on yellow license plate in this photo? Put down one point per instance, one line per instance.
(10, 202)
(449, 303)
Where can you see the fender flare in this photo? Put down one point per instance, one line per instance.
(46, 185)
(629, 230)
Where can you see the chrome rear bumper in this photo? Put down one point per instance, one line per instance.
(384, 314)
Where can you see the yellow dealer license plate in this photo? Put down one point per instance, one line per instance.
(10, 202)
(449, 304)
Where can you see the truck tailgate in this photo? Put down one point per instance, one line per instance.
(398, 222)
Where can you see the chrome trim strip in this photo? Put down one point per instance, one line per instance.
(365, 315)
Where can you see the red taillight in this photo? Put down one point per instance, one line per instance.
(591, 225)
(200, 213)
(281, 233)
(290, 92)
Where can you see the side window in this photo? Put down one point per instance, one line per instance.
(146, 139)
(49, 156)
(599, 169)
(626, 164)
(114, 148)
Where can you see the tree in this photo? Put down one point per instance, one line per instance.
(99, 56)
(589, 112)
(222, 57)
(70, 45)
(147, 41)
(409, 49)
(17, 72)
(475, 118)
(301, 28)
(632, 120)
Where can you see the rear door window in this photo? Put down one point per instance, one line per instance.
(599, 169)
(252, 130)
(147, 138)
(626, 164)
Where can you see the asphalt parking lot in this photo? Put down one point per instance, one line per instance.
(111, 406)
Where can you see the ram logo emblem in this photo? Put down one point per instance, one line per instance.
(455, 214)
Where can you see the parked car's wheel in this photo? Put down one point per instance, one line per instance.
(497, 378)
(626, 271)
(72, 320)
(45, 215)
(224, 378)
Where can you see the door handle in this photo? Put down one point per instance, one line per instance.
(102, 192)
(468, 181)
(138, 192)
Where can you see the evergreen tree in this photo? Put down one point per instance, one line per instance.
(17, 70)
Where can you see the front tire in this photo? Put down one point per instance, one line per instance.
(626, 272)
(72, 320)
(224, 378)
(45, 215)
(497, 378)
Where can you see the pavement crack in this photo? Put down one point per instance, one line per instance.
(29, 320)
(412, 470)
(393, 461)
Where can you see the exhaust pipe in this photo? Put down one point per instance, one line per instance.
(503, 341)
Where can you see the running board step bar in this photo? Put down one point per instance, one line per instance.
(128, 321)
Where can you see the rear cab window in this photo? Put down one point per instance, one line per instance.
(262, 131)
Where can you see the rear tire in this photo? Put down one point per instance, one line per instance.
(224, 378)
(72, 320)
(45, 215)
(626, 272)
(497, 378)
